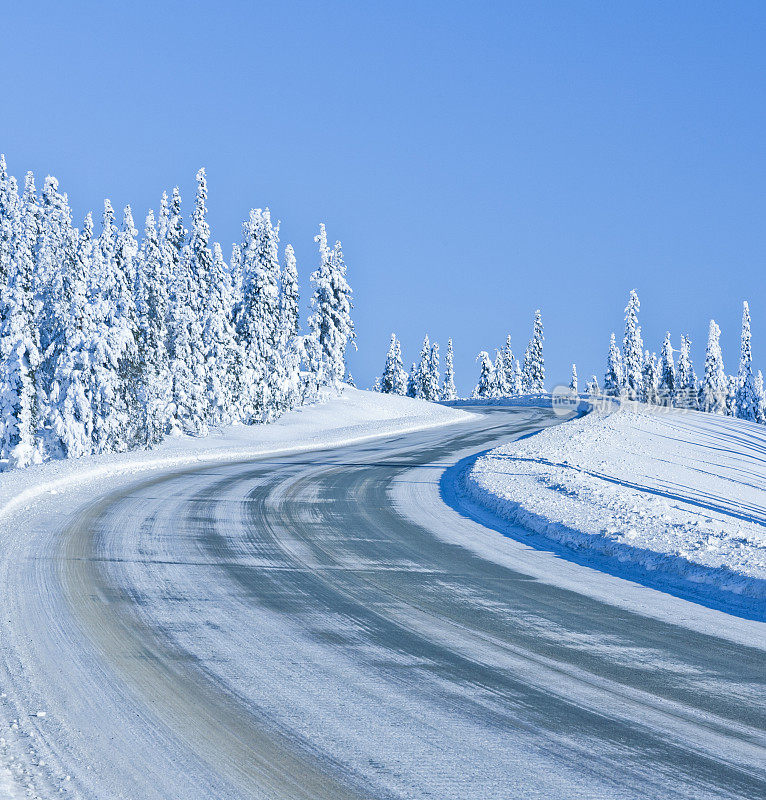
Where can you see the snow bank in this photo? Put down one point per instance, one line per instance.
(350, 417)
(679, 497)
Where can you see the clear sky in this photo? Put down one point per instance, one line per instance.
(478, 160)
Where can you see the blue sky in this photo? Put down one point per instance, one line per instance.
(478, 160)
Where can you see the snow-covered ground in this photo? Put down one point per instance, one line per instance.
(350, 417)
(674, 498)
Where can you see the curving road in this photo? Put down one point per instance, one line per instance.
(282, 629)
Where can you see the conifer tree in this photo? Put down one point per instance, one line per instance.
(21, 344)
(667, 372)
(730, 409)
(424, 367)
(152, 309)
(650, 379)
(486, 382)
(330, 324)
(746, 396)
(714, 384)
(289, 346)
(448, 387)
(518, 380)
(592, 387)
(687, 391)
(71, 395)
(504, 367)
(613, 378)
(433, 374)
(394, 379)
(760, 392)
(534, 363)
(632, 347)
(413, 384)
(573, 381)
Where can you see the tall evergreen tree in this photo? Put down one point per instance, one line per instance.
(19, 398)
(730, 408)
(686, 379)
(650, 378)
(289, 340)
(394, 379)
(534, 363)
(613, 378)
(152, 309)
(760, 392)
(484, 388)
(518, 380)
(330, 324)
(504, 369)
(714, 384)
(433, 374)
(746, 395)
(258, 315)
(413, 385)
(424, 366)
(448, 387)
(72, 384)
(668, 383)
(632, 347)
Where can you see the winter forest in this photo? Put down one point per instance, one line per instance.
(632, 373)
(111, 341)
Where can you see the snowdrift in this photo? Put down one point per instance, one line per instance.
(673, 498)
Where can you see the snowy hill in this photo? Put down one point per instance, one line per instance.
(676, 499)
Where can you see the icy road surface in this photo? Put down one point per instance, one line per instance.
(323, 625)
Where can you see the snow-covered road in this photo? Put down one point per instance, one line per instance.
(322, 625)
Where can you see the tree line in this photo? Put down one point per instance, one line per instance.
(112, 341)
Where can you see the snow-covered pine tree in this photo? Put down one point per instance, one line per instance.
(10, 225)
(71, 395)
(650, 379)
(289, 345)
(632, 347)
(668, 383)
(484, 387)
(746, 395)
(573, 381)
(375, 385)
(613, 376)
(518, 380)
(20, 340)
(504, 374)
(188, 408)
(687, 389)
(761, 394)
(413, 384)
(424, 366)
(714, 384)
(57, 241)
(433, 374)
(591, 387)
(258, 316)
(393, 365)
(731, 396)
(448, 387)
(152, 308)
(534, 363)
(330, 324)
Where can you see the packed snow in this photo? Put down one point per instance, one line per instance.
(351, 416)
(673, 498)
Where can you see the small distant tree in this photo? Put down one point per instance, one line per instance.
(761, 393)
(413, 382)
(573, 381)
(448, 387)
(613, 379)
(714, 384)
(632, 346)
(687, 388)
(731, 397)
